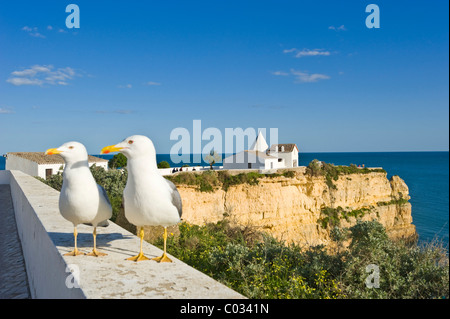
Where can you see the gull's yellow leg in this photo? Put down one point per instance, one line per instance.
(164, 258)
(75, 252)
(94, 251)
(140, 256)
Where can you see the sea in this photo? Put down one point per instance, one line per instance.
(425, 173)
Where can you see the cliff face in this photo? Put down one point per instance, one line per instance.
(292, 209)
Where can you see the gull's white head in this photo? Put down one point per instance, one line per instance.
(70, 152)
(132, 147)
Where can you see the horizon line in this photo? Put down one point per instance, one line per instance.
(326, 152)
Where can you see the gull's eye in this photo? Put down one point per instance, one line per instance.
(70, 147)
(130, 142)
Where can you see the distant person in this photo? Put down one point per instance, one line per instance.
(193, 169)
(181, 169)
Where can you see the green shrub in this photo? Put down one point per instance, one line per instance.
(289, 174)
(406, 271)
(263, 267)
(164, 164)
(54, 181)
(183, 178)
(118, 161)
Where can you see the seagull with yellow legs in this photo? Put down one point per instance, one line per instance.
(149, 198)
(81, 200)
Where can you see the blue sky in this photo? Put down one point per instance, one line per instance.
(312, 69)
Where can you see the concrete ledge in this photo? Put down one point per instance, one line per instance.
(46, 236)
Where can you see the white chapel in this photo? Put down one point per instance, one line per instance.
(260, 156)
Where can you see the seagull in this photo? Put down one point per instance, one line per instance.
(149, 198)
(81, 199)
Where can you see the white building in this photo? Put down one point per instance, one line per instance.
(39, 164)
(259, 156)
(287, 152)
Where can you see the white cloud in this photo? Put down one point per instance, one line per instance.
(305, 77)
(289, 50)
(121, 111)
(6, 110)
(269, 107)
(126, 86)
(307, 52)
(33, 70)
(340, 28)
(152, 83)
(281, 73)
(24, 81)
(42, 74)
(33, 32)
(37, 35)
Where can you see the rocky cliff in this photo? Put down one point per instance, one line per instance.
(302, 208)
(297, 209)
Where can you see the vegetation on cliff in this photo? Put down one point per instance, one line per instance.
(332, 172)
(259, 266)
(331, 217)
(208, 180)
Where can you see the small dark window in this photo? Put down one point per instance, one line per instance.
(249, 165)
(48, 173)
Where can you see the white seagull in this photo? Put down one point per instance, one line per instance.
(81, 199)
(149, 198)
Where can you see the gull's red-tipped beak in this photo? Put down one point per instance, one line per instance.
(52, 151)
(110, 149)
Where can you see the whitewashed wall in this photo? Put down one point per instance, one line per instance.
(46, 236)
(34, 169)
(19, 163)
(42, 167)
(241, 160)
